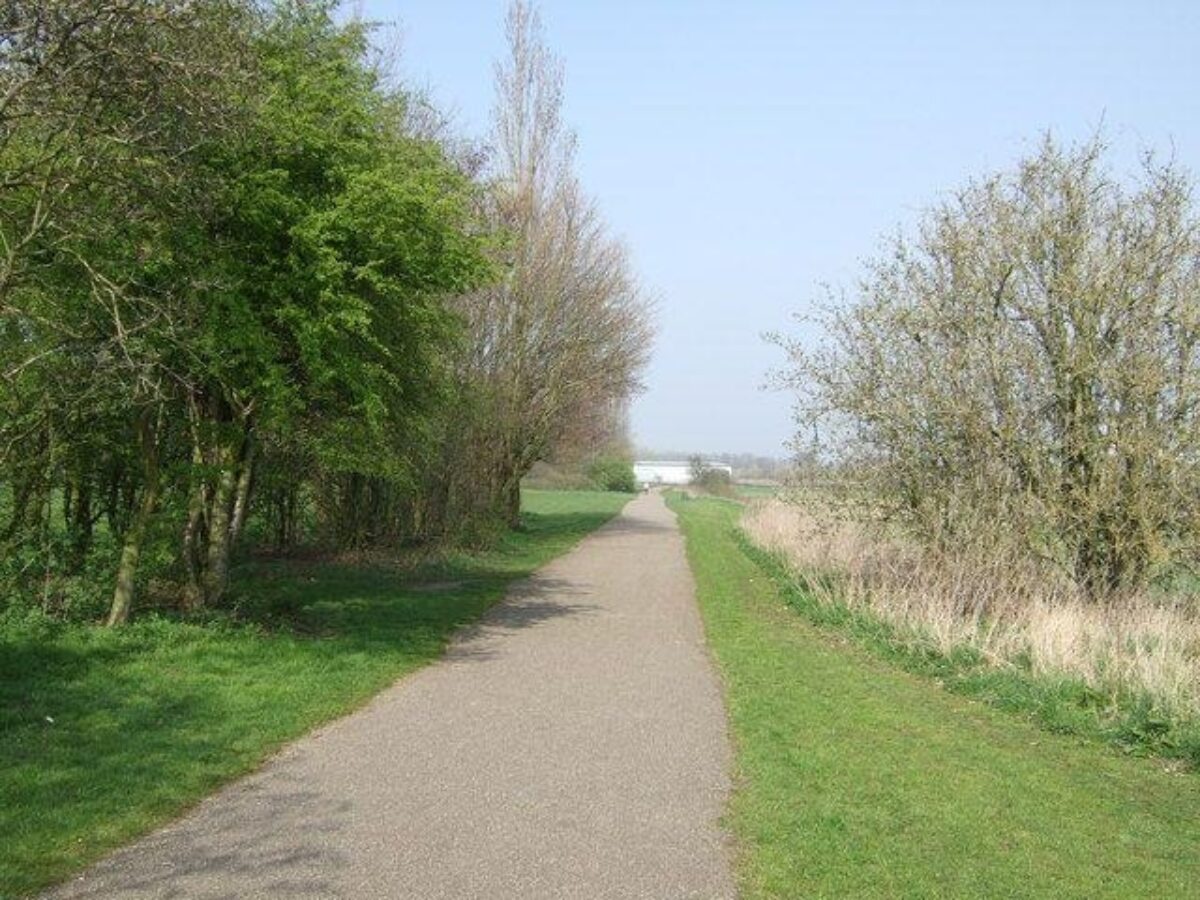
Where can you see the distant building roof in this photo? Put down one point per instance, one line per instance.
(676, 462)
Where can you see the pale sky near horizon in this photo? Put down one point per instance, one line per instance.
(750, 152)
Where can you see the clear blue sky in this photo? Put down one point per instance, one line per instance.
(749, 152)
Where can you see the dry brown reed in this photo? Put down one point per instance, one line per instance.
(1011, 610)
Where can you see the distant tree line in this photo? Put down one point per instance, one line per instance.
(252, 293)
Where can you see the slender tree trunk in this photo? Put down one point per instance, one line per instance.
(220, 515)
(112, 499)
(283, 502)
(512, 501)
(191, 550)
(193, 595)
(79, 521)
(131, 552)
(22, 494)
(245, 481)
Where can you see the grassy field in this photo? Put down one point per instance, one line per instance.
(105, 734)
(856, 779)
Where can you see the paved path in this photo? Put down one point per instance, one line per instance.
(571, 746)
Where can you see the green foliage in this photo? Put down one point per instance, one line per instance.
(347, 234)
(261, 310)
(252, 298)
(711, 480)
(254, 289)
(613, 474)
(105, 734)
(856, 779)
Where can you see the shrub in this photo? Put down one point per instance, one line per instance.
(1027, 365)
(715, 481)
(613, 474)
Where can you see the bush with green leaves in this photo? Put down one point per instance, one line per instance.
(613, 474)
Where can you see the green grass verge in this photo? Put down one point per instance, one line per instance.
(106, 734)
(1058, 703)
(858, 779)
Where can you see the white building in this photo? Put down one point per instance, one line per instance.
(653, 473)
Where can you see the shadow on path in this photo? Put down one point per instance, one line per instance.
(275, 833)
(530, 603)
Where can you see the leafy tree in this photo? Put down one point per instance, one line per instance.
(101, 101)
(245, 283)
(328, 336)
(256, 279)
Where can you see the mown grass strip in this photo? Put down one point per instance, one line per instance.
(857, 779)
(106, 734)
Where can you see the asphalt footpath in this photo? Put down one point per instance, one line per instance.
(570, 745)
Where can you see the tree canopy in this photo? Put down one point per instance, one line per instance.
(1025, 367)
(242, 282)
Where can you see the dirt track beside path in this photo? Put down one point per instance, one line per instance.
(571, 745)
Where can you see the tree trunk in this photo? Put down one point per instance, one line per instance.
(192, 593)
(512, 502)
(79, 522)
(131, 551)
(241, 500)
(193, 528)
(22, 494)
(220, 515)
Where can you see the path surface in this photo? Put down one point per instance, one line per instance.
(570, 746)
